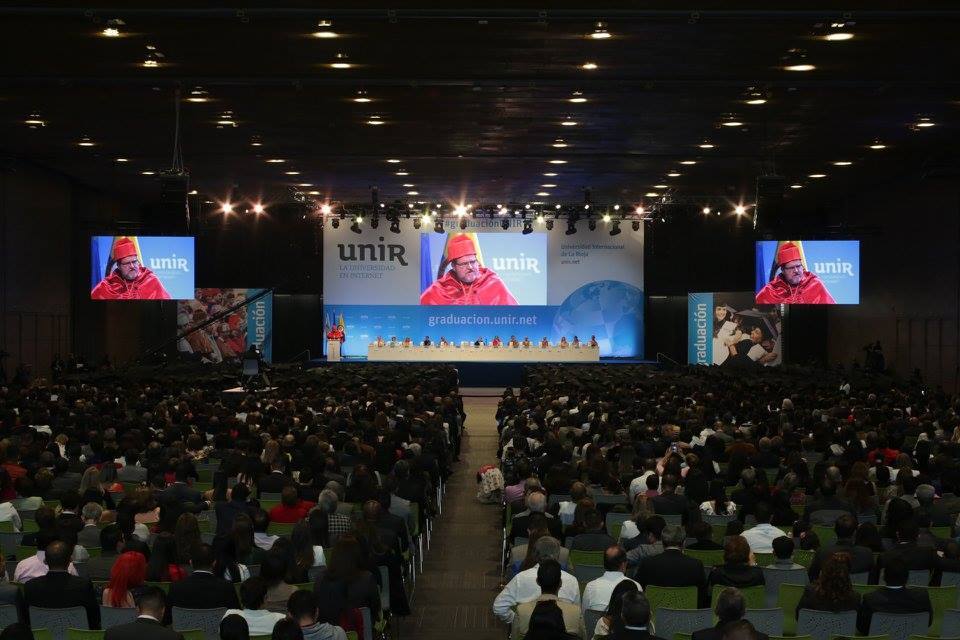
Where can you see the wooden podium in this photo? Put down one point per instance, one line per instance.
(333, 351)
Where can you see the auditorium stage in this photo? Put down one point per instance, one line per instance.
(486, 374)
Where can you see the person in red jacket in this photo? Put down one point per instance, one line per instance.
(794, 284)
(130, 280)
(291, 508)
(467, 282)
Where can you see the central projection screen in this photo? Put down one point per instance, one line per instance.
(484, 281)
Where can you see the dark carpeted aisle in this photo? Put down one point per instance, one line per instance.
(454, 595)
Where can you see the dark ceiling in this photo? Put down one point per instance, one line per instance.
(472, 100)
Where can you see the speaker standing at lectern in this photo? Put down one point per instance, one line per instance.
(335, 338)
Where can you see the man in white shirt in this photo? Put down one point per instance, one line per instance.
(761, 536)
(639, 484)
(596, 595)
(524, 588)
(578, 491)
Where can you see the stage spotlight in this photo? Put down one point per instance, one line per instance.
(549, 225)
(527, 227)
(335, 222)
(571, 227)
(438, 227)
(325, 209)
(504, 224)
(616, 228)
(592, 225)
(463, 223)
(416, 223)
(395, 226)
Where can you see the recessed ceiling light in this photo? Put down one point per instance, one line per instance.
(674, 174)
(121, 160)
(838, 36)
(558, 162)
(292, 173)
(256, 141)
(402, 173)
(548, 185)
(324, 31)
(817, 175)
(413, 193)
(258, 208)
(651, 194)
(542, 193)
(375, 120)
(341, 62)
(661, 186)
(85, 141)
(275, 160)
(589, 66)
(706, 145)
(877, 146)
(361, 97)
(313, 193)
(393, 160)
(600, 32)
(739, 209)
(924, 123)
(550, 174)
(408, 184)
(150, 63)
(559, 144)
(796, 186)
(35, 121)
(842, 163)
(304, 184)
(192, 192)
(799, 67)
(732, 123)
(569, 123)
(227, 123)
(688, 162)
(578, 99)
(756, 101)
(147, 173)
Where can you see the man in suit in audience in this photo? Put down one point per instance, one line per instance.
(228, 510)
(673, 569)
(731, 605)
(917, 557)
(151, 608)
(596, 594)
(89, 536)
(275, 481)
(828, 503)
(536, 503)
(861, 557)
(59, 589)
(131, 471)
(895, 597)
(594, 537)
(201, 589)
(181, 492)
(669, 502)
(635, 614)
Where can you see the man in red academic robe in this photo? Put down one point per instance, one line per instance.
(794, 284)
(130, 280)
(467, 282)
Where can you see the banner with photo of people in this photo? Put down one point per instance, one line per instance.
(226, 339)
(729, 329)
(485, 281)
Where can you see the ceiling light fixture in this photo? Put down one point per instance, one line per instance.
(589, 66)
(543, 193)
(393, 160)
(324, 31)
(198, 94)
(569, 123)
(661, 186)
(148, 173)
(600, 32)
(226, 207)
(842, 163)
(924, 123)
(559, 144)
(292, 173)
(35, 121)
(838, 33)
(706, 145)
(275, 160)
(756, 101)
(121, 160)
(341, 62)
(688, 162)
(674, 174)
(796, 186)
(85, 141)
(361, 97)
(401, 173)
(651, 194)
(548, 185)
(304, 184)
(256, 141)
(877, 146)
(706, 211)
(408, 185)
(258, 208)
(413, 193)
(739, 209)
(799, 67)
(577, 97)
(817, 176)
(375, 120)
(558, 162)
(796, 60)
(550, 174)
(112, 30)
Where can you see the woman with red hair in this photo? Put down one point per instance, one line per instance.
(127, 576)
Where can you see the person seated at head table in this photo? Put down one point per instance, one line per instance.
(526, 342)
(593, 341)
(444, 342)
(393, 341)
(380, 342)
(426, 341)
(544, 343)
(479, 342)
(497, 342)
(407, 342)
(513, 342)
(563, 342)
(576, 341)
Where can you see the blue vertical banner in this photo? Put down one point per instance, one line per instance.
(260, 323)
(699, 328)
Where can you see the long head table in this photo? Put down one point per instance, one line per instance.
(452, 353)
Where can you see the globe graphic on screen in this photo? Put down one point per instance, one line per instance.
(610, 310)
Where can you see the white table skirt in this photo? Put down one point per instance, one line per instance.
(483, 354)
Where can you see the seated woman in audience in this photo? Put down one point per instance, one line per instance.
(860, 495)
(287, 629)
(163, 566)
(730, 607)
(298, 560)
(247, 552)
(273, 570)
(91, 489)
(186, 533)
(260, 622)
(832, 590)
(127, 576)
(641, 511)
(318, 526)
(868, 535)
(736, 570)
(345, 585)
(234, 627)
(225, 564)
(304, 554)
(611, 622)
